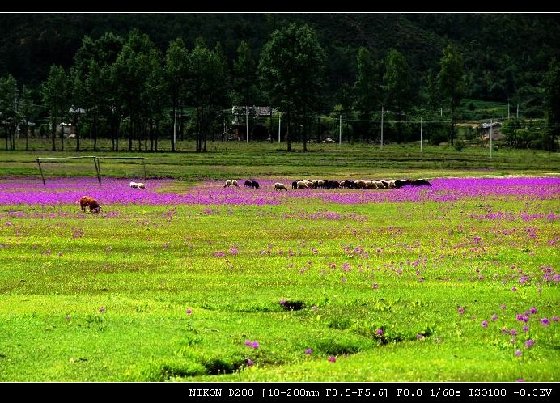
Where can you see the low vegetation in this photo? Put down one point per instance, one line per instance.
(186, 280)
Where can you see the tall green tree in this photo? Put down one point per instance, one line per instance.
(451, 79)
(135, 65)
(367, 90)
(54, 91)
(76, 92)
(155, 99)
(292, 73)
(93, 89)
(432, 92)
(207, 88)
(222, 98)
(398, 87)
(244, 78)
(26, 110)
(176, 73)
(8, 109)
(551, 85)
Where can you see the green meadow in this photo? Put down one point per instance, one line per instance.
(300, 291)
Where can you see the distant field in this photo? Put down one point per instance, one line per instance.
(240, 160)
(190, 281)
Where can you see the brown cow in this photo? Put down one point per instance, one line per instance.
(90, 202)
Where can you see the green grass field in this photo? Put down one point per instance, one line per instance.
(304, 290)
(240, 159)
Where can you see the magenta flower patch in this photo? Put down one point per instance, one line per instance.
(118, 191)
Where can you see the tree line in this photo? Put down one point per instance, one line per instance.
(124, 86)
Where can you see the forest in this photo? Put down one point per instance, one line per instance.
(159, 77)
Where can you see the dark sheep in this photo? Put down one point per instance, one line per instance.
(251, 183)
(420, 182)
(399, 183)
(332, 184)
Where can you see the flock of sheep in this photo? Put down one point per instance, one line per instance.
(94, 206)
(334, 184)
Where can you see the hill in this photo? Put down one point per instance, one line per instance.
(505, 54)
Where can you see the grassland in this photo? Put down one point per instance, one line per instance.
(301, 290)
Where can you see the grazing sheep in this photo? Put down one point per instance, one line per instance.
(302, 184)
(400, 183)
(360, 184)
(251, 183)
(331, 184)
(422, 182)
(231, 182)
(419, 182)
(317, 184)
(280, 186)
(87, 201)
(391, 184)
(137, 185)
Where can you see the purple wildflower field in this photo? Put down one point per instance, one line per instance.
(118, 191)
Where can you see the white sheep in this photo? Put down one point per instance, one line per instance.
(133, 185)
(231, 182)
(280, 186)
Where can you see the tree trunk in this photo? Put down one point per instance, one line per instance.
(288, 139)
(130, 129)
(54, 134)
(26, 135)
(304, 133)
(77, 133)
(156, 135)
(174, 136)
(139, 134)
